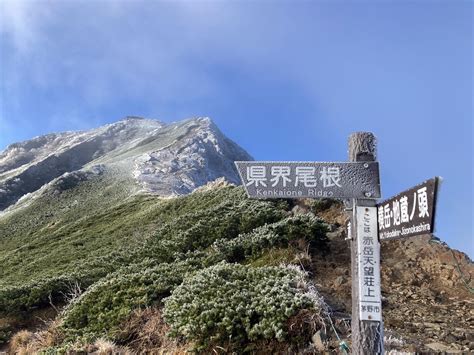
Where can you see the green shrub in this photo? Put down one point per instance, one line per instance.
(16, 299)
(5, 334)
(101, 309)
(234, 303)
(197, 230)
(19, 299)
(280, 233)
(276, 257)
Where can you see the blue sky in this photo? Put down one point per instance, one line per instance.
(287, 80)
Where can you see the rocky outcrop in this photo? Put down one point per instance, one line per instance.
(427, 289)
(203, 154)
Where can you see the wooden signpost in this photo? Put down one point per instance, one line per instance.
(407, 214)
(367, 333)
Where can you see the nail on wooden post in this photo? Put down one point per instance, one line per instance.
(367, 336)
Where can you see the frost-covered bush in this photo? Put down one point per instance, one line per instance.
(235, 304)
(280, 233)
(17, 299)
(199, 228)
(101, 309)
(248, 244)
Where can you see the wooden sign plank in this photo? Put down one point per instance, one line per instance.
(343, 180)
(409, 213)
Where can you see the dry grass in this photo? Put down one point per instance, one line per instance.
(304, 324)
(302, 254)
(104, 346)
(20, 342)
(259, 347)
(26, 342)
(146, 332)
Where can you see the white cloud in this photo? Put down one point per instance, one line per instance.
(21, 22)
(101, 51)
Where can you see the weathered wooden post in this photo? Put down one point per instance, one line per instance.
(367, 334)
(408, 214)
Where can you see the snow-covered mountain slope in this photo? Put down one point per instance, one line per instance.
(144, 154)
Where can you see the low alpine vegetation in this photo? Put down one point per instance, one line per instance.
(200, 260)
(278, 234)
(234, 303)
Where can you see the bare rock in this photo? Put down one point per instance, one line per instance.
(318, 340)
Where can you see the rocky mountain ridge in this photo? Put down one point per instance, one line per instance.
(167, 159)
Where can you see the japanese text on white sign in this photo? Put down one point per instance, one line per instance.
(368, 249)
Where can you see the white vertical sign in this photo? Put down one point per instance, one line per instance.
(368, 250)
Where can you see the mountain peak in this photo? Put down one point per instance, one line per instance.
(147, 155)
(133, 118)
(139, 120)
